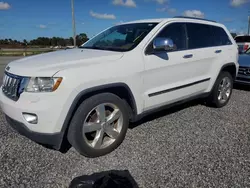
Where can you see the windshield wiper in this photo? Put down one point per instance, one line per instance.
(101, 48)
(93, 47)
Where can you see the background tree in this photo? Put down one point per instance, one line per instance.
(25, 41)
(81, 38)
(45, 41)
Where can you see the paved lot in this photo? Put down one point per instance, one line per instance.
(187, 146)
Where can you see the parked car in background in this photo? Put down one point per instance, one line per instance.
(243, 76)
(88, 95)
(243, 41)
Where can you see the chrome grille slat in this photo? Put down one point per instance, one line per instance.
(13, 88)
(7, 84)
(10, 86)
(4, 79)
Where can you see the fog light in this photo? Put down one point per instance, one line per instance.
(30, 118)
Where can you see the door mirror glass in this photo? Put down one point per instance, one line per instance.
(163, 44)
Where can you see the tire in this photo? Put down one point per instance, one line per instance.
(213, 99)
(90, 113)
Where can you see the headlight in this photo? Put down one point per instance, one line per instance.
(42, 84)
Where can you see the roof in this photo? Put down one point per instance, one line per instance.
(158, 20)
(185, 19)
(194, 18)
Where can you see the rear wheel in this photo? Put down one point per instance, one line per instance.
(222, 90)
(99, 125)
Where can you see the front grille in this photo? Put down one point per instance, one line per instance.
(244, 71)
(11, 84)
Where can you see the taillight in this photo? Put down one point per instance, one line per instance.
(245, 47)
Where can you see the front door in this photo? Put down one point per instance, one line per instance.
(171, 76)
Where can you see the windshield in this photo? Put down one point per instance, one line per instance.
(120, 38)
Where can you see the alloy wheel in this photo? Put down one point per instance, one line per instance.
(102, 125)
(224, 90)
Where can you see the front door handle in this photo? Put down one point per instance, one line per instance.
(218, 51)
(188, 56)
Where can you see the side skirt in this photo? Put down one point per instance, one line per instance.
(151, 111)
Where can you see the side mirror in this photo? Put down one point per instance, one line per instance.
(163, 44)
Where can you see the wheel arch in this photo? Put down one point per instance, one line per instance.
(122, 90)
(231, 68)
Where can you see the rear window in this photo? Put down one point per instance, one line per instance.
(199, 36)
(242, 39)
(220, 36)
(202, 36)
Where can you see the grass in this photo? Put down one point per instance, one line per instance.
(22, 53)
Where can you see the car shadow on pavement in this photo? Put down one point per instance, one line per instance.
(242, 87)
(167, 110)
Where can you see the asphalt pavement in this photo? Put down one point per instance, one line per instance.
(187, 146)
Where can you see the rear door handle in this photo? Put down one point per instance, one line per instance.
(218, 51)
(188, 56)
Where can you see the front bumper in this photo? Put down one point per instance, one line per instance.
(48, 131)
(241, 79)
(49, 140)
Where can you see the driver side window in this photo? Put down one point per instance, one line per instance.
(177, 33)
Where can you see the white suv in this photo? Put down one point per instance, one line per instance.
(87, 96)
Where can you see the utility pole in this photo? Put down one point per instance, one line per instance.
(73, 22)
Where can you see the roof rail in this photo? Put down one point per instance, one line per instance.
(194, 18)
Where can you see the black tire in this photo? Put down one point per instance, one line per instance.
(75, 136)
(213, 100)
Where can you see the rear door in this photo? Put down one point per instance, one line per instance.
(205, 53)
(224, 50)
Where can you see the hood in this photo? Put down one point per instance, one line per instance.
(244, 60)
(49, 63)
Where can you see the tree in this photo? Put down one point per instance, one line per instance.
(46, 41)
(81, 38)
(10, 41)
(54, 41)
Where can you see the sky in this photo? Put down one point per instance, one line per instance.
(29, 19)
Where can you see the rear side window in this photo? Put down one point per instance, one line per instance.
(199, 36)
(242, 39)
(220, 37)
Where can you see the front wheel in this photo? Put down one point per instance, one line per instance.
(222, 90)
(99, 125)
